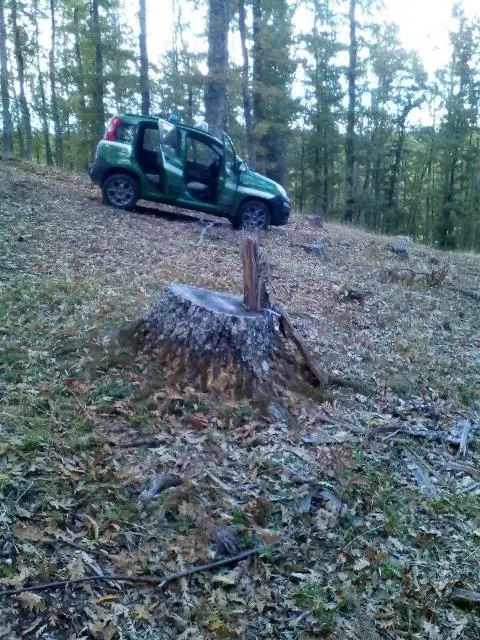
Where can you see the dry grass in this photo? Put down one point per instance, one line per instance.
(70, 270)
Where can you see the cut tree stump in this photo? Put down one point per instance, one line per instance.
(208, 339)
(215, 341)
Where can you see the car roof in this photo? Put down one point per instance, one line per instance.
(136, 118)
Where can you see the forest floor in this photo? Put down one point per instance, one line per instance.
(366, 512)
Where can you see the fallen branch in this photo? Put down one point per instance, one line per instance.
(465, 596)
(420, 475)
(160, 582)
(139, 442)
(289, 331)
(456, 466)
(474, 295)
(467, 427)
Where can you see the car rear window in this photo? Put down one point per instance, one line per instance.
(126, 132)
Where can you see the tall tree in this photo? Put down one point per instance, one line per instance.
(350, 159)
(20, 39)
(273, 72)
(7, 129)
(247, 109)
(216, 85)
(98, 86)
(144, 82)
(59, 150)
(40, 102)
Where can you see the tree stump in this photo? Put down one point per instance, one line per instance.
(221, 342)
(208, 339)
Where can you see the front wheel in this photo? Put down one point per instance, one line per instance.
(120, 191)
(252, 215)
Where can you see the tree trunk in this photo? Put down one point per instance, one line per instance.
(258, 73)
(144, 84)
(392, 193)
(7, 128)
(84, 144)
(216, 87)
(41, 89)
(98, 85)
(53, 88)
(351, 197)
(247, 111)
(24, 110)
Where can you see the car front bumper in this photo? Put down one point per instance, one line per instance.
(280, 210)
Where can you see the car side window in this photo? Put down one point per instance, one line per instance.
(229, 158)
(151, 141)
(126, 133)
(200, 153)
(169, 139)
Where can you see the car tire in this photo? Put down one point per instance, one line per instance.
(121, 191)
(252, 215)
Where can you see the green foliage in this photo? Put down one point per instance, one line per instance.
(419, 180)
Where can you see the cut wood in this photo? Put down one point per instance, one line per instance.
(254, 286)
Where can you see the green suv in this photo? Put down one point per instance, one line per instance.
(164, 161)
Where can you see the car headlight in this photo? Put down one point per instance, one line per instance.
(282, 191)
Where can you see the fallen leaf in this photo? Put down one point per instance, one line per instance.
(361, 564)
(30, 601)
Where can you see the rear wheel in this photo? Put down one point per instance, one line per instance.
(121, 191)
(252, 215)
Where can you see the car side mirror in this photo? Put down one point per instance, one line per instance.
(240, 166)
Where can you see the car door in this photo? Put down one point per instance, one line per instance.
(229, 177)
(170, 158)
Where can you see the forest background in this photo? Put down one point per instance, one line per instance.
(323, 96)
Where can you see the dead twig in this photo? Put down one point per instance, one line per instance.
(160, 582)
(471, 487)
(420, 475)
(202, 235)
(467, 427)
(139, 442)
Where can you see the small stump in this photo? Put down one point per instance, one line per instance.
(208, 339)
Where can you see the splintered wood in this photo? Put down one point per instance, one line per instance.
(254, 286)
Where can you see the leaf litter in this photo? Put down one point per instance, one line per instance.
(365, 503)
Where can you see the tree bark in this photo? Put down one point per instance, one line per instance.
(41, 89)
(98, 85)
(144, 83)
(53, 88)
(86, 140)
(258, 73)
(207, 339)
(247, 110)
(350, 178)
(254, 285)
(24, 110)
(216, 86)
(7, 128)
